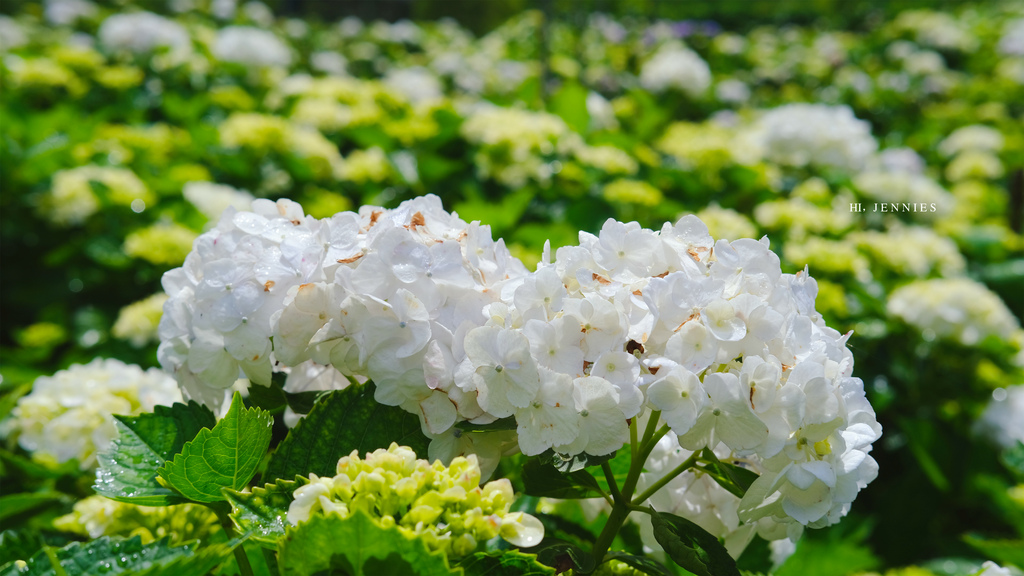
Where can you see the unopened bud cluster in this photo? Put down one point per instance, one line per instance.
(444, 506)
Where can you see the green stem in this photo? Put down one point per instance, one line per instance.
(686, 465)
(622, 507)
(609, 476)
(244, 568)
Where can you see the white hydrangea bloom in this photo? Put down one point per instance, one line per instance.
(813, 134)
(416, 84)
(1003, 418)
(213, 199)
(65, 12)
(450, 327)
(899, 160)
(218, 318)
(143, 32)
(1012, 41)
(958, 308)
(974, 137)
(68, 415)
(251, 47)
(676, 67)
(990, 568)
(11, 34)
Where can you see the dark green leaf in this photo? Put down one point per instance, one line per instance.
(574, 462)
(691, 546)
(562, 555)
(828, 559)
(340, 422)
(570, 102)
(733, 478)
(14, 504)
(261, 512)
(128, 470)
(106, 556)
(270, 398)
(641, 563)
(18, 545)
(356, 545)
(10, 399)
(508, 423)
(224, 457)
(1013, 459)
(503, 563)
(542, 479)
(1002, 551)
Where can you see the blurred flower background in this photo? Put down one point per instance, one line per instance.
(880, 145)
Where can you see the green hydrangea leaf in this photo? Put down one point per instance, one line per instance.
(18, 545)
(1002, 551)
(14, 504)
(223, 457)
(640, 563)
(340, 422)
(503, 563)
(356, 546)
(543, 479)
(831, 558)
(131, 556)
(261, 512)
(128, 470)
(691, 546)
(733, 478)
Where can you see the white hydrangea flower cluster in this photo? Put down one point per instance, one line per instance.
(445, 506)
(387, 294)
(1003, 418)
(144, 32)
(250, 47)
(957, 308)
(68, 415)
(452, 328)
(817, 134)
(676, 67)
(1012, 41)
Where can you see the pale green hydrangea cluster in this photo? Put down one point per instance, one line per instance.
(68, 415)
(138, 321)
(445, 506)
(97, 516)
(78, 193)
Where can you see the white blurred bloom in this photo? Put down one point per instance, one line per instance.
(11, 34)
(417, 84)
(814, 134)
(1012, 41)
(143, 32)
(65, 12)
(213, 199)
(957, 308)
(328, 62)
(969, 138)
(1003, 418)
(251, 47)
(68, 415)
(677, 67)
